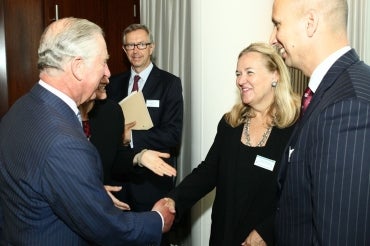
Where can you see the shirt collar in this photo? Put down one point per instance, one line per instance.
(320, 71)
(143, 74)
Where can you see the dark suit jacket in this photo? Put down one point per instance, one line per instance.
(325, 187)
(145, 187)
(106, 123)
(50, 178)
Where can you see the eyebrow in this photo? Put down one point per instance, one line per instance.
(140, 42)
(244, 69)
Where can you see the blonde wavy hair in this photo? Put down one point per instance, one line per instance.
(286, 105)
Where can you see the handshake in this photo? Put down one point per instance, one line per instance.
(166, 207)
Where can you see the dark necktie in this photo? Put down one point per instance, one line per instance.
(135, 86)
(86, 127)
(306, 99)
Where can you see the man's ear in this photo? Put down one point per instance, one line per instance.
(123, 47)
(77, 67)
(152, 47)
(312, 22)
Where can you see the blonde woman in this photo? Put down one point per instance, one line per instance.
(244, 159)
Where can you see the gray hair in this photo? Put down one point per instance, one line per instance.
(65, 39)
(134, 27)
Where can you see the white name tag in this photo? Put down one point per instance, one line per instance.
(264, 163)
(152, 103)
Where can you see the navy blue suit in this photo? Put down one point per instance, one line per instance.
(51, 182)
(144, 187)
(324, 186)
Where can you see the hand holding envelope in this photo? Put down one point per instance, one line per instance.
(135, 110)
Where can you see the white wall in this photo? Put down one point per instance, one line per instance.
(366, 56)
(359, 26)
(220, 30)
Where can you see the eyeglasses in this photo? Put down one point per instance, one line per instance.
(140, 46)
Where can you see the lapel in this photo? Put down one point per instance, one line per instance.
(331, 77)
(151, 83)
(318, 102)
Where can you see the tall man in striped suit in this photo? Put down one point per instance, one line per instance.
(324, 181)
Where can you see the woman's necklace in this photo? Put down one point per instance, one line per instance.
(265, 135)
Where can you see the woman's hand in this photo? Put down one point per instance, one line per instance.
(127, 133)
(254, 239)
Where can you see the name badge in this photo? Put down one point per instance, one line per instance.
(152, 103)
(264, 162)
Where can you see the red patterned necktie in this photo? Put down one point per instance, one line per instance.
(306, 99)
(86, 127)
(135, 86)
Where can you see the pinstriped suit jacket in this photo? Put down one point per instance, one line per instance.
(50, 178)
(324, 187)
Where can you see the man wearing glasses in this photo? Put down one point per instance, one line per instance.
(163, 95)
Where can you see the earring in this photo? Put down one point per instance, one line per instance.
(273, 83)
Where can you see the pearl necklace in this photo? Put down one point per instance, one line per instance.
(265, 135)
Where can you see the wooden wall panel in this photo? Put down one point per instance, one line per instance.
(3, 74)
(23, 24)
(23, 21)
(114, 25)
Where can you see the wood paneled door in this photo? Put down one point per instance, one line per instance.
(23, 21)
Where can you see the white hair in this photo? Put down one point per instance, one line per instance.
(65, 39)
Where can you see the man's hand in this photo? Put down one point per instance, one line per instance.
(116, 202)
(170, 204)
(166, 208)
(153, 161)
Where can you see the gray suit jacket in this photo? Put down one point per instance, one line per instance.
(51, 182)
(324, 180)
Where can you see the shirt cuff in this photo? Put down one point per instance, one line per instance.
(161, 219)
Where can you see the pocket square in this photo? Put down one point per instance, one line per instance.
(290, 153)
